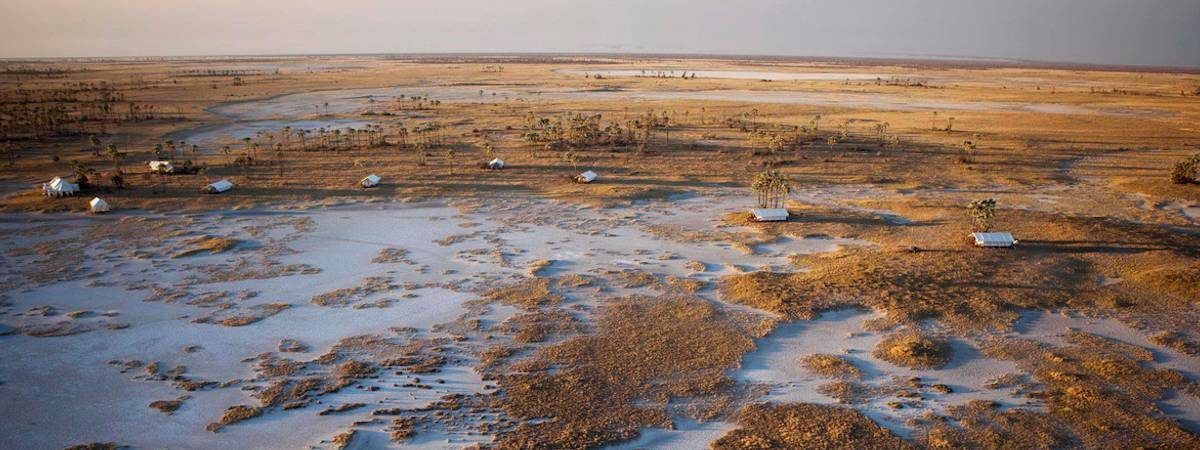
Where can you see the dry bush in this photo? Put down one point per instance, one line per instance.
(351, 295)
(390, 256)
(169, 407)
(240, 317)
(575, 281)
(340, 408)
(1177, 341)
(605, 386)
(344, 439)
(807, 426)
(537, 266)
(830, 366)
(915, 350)
(851, 392)
(528, 294)
(211, 244)
(235, 414)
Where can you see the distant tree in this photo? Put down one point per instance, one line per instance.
(94, 145)
(10, 151)
(983, 213)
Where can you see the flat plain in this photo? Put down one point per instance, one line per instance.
(460, 305)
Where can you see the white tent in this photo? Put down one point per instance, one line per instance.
(370, 181)
(586, 177)
(58, 187)
(998, 239)
(496, 164)
(162, 166)
(218, 187)
(770, 214)
(99, 205)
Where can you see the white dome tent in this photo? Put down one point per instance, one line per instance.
(99, 206)
(370, 181)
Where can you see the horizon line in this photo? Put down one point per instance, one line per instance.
(959, 60)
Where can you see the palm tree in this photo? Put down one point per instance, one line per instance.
(246, 145)
(771, 188)
(94, 144)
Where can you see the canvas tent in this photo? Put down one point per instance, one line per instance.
(58, 187)
(218, 187)
(370, 181)
(770, 214)
(496, 164)
(998, 239)
(586, 177)
(98, 206)
(162, 166)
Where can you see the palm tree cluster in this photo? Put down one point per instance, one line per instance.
(772, 188)
(414, 102)
(585, 130)
(68, 110)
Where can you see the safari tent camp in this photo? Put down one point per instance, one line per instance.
(496, 164)
(997, 239)
(370, 181)
(59, 187)
(770, 214)
(586, 177)
(99, 206)
(218, 187)
(162, 167)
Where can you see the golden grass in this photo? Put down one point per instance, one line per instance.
(1098, 391)
(830, 366)
(605, 386)
(528, 294)
(915, 350)
(807, 426)
(210, 244)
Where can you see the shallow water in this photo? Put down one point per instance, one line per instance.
(231, 134)
(728, 74)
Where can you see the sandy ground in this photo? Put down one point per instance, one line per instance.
(88, 302)
(65, 391)
(42, 374)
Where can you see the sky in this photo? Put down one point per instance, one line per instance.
(1121, 32)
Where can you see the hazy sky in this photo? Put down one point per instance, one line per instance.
(1151, 32)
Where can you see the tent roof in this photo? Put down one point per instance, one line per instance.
(768, 214)
(222, 185)
(62, 185)
(1004, 239)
